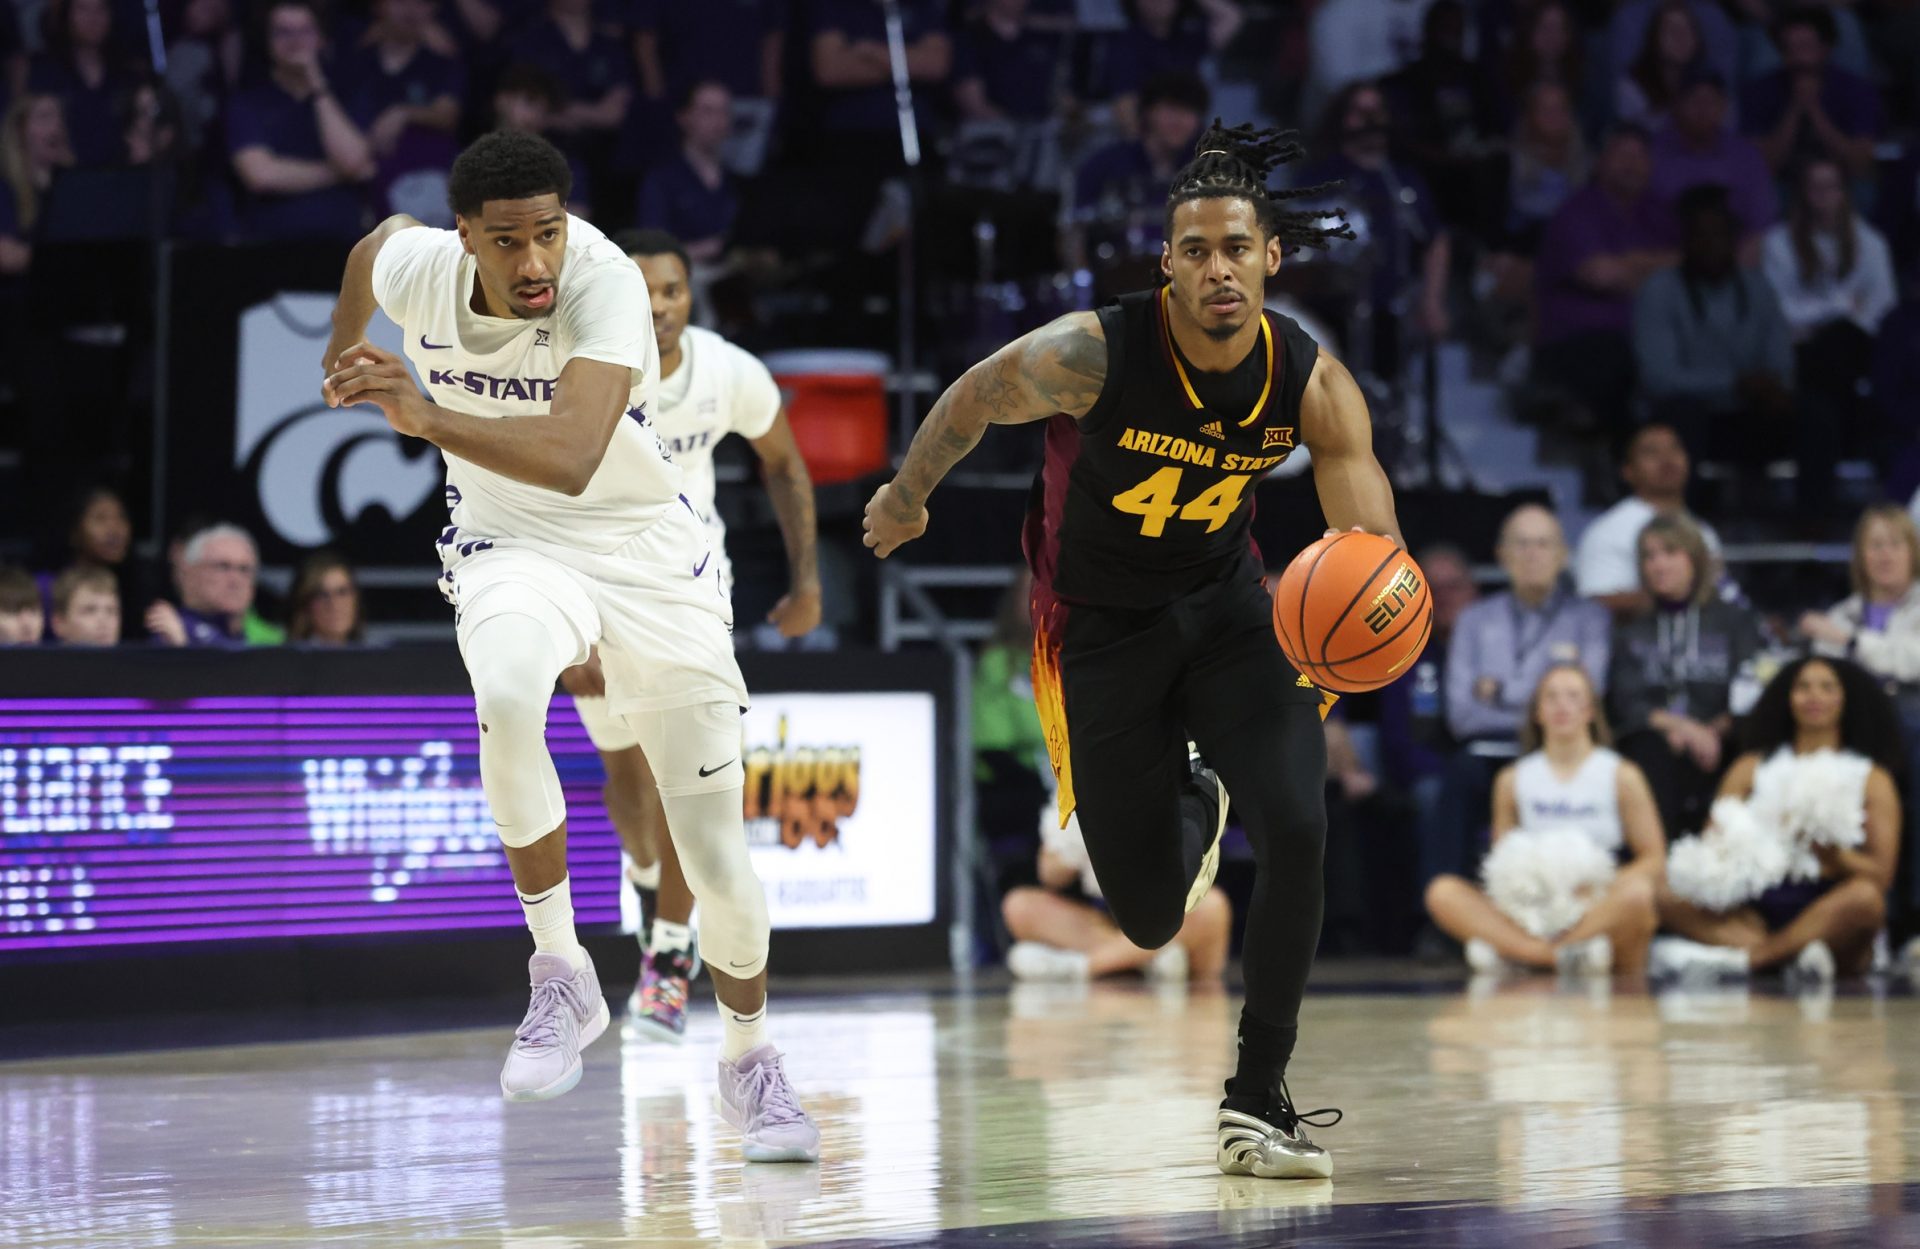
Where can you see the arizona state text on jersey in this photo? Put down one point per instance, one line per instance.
(1149, 496)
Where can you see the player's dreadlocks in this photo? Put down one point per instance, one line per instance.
(1235, 162)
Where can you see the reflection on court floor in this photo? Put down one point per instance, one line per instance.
(1526, 1113)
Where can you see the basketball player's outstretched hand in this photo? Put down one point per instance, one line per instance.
(366, 374)
(886, 529)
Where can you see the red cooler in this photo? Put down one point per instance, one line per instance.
(837, 403)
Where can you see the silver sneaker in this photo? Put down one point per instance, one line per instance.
(1249, 1145)
(1210, 861)
(1273, 1146)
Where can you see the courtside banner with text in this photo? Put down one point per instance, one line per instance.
(139, 821)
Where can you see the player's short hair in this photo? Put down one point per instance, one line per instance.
(17, 590)
(507, 164)
(653, 243)
(81, 577)
(1234, 162)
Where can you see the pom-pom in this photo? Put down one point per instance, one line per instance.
(1734, 860)
(1545, 879)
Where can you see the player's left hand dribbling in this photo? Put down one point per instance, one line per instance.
(798, 611)
(366, 374)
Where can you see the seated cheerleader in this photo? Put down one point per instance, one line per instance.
(1825, 925)
(1062, 931)
(1569, 782)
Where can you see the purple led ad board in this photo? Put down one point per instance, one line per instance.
(129, 821)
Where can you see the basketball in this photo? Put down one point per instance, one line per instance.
(1352, 612)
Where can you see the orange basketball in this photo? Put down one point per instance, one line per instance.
(1352, 612)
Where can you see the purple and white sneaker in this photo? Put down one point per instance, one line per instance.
(566, 1015)
(659, 1006)
(754, 1097)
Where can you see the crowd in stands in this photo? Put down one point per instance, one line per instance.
(1619, 690)
(206, 592)
(1690, 230)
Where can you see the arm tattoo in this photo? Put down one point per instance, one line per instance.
(1060, 368)
(997, 386)
(1066, 366)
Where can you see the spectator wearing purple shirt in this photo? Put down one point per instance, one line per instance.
(1006, 70)
(525, 99)
(1162, 37)
(1447, 122)
(1698, 148)
(1395, 209)
(1672, 53)
(1810, 107)
(88, 71)
(737, 43)
(1627, 33)
(854, 73)
(691, 195)
(217, 572)
(1606, 240)
(1120, 191)
(413, 97)
(592, 67)
(296, 150)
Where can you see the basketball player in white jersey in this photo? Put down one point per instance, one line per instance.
(569, 531)
(709, 389)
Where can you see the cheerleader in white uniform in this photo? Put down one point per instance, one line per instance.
(1569, 780)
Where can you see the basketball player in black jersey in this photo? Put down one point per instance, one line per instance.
(1151, 625)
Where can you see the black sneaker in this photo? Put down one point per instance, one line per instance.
(1270, 1144)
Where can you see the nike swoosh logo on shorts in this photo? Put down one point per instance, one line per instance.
(702, 565)
(706, 772)
(433, 346)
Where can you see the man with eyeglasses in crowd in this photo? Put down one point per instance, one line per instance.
(217, 570)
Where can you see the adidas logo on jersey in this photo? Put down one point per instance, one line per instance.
(1213, 429)
(1303, 682)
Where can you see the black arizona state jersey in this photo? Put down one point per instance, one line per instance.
(1149, 496)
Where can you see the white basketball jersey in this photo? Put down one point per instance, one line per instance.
(717, 390)
(498, 367)
(1589, 803)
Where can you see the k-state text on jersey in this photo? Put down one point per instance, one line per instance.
(529, 388)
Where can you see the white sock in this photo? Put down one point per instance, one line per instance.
(550, 920)
(670, 937)
(744, 1033)
(647, 877)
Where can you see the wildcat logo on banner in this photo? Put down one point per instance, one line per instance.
(317, 469)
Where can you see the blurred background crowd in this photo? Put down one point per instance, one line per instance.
(1632, 292)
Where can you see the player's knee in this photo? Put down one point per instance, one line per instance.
(512, 697)
(1148, 923)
